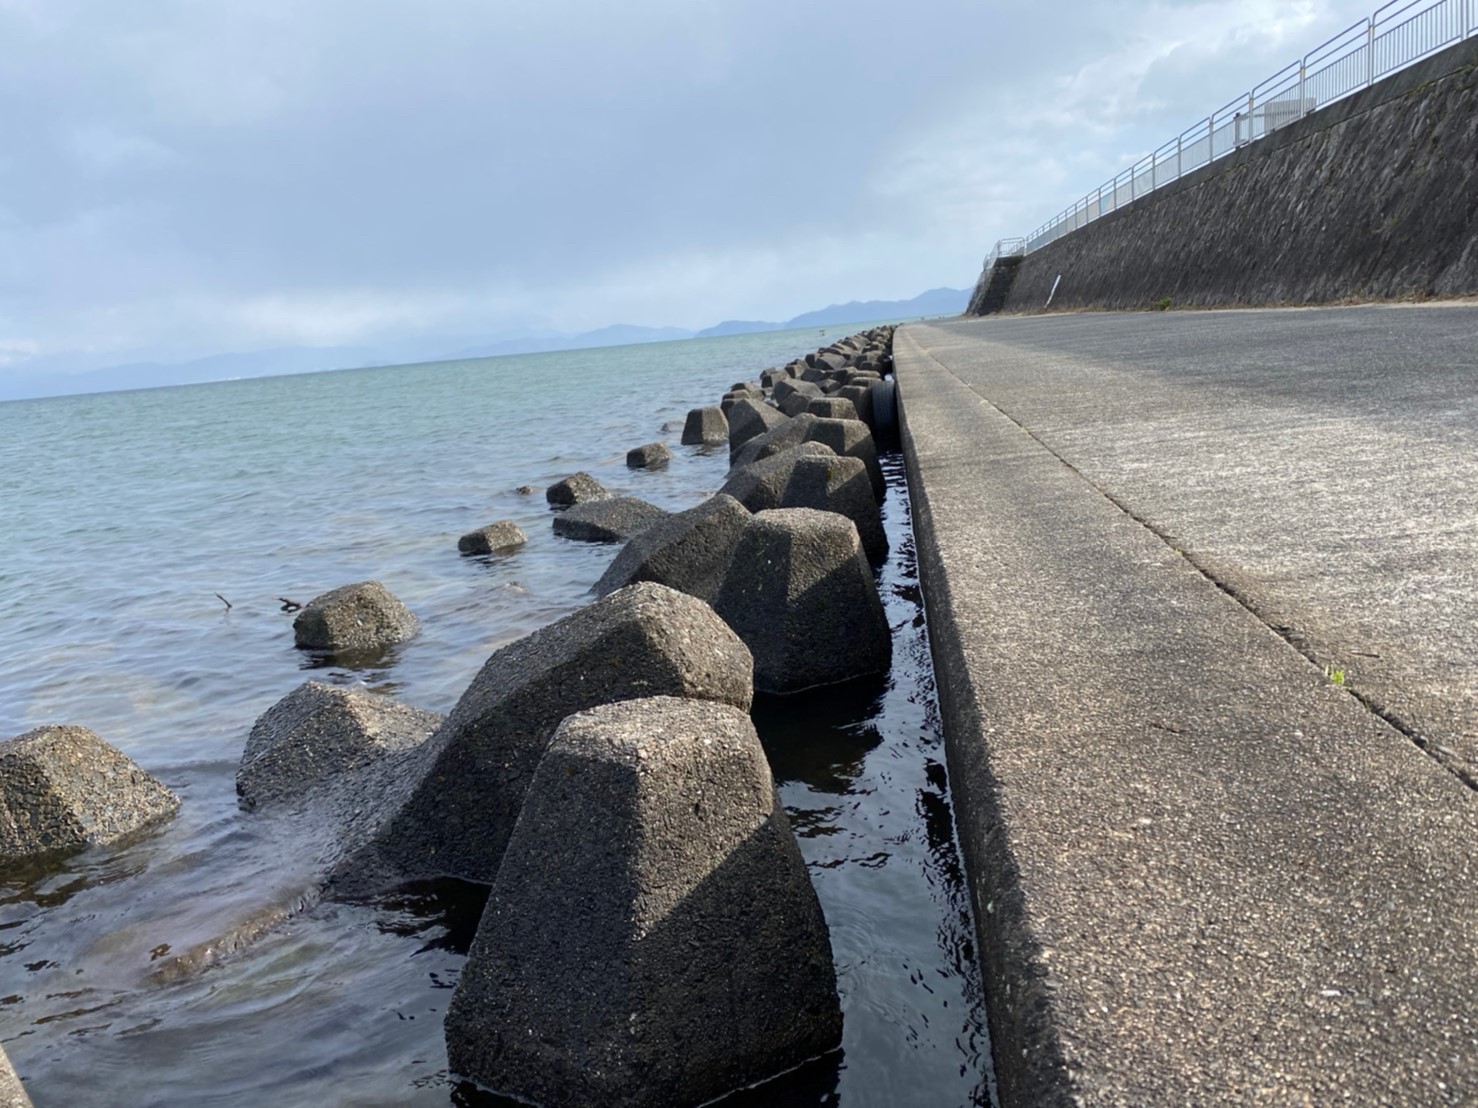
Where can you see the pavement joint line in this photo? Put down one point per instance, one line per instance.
(1395, 722)
(1199, 875)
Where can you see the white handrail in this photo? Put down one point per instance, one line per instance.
(1396, 34)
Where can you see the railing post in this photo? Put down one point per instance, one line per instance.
(1210, 139)
(1302, 95)
(1154, 170)
(1370, 51)
(1251, 125)
(1178, 170)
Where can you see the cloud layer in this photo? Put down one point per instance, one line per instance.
(183, 178)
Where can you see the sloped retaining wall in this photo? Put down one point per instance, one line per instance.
(1373, 197)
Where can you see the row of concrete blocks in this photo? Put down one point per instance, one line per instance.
(691, 551)
(609, 778)
(651, 934)
(611, 751)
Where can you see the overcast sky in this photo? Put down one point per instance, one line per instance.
(181, 178)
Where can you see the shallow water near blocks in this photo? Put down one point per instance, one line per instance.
(341, 1004)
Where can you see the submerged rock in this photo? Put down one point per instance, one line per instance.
(650, 456)
(652, 936)
(62, 788)
(800, 594)
(706, 427)
(614, 520)
(495, 537)
(363, 616)
(578, 488)
(688, 551)
(317, 730)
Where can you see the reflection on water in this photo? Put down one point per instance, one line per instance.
(195, 965)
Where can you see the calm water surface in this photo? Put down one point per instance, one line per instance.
(123, 515)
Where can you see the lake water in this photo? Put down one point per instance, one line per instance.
(124, 515)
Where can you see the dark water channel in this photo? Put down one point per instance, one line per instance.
(860, 769)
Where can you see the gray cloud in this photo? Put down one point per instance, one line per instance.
(182, 178)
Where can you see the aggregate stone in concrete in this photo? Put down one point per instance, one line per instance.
(318, 730)
(706, 427)
(801, 595)
(578, 488)
(63, 788)
(614, 520)
(361, 617)
(12, 1093)
(652, 936)
(492, 539)
(688, 551)
(748, 418)
(467, 782)
(652, 455)
(812, 476)
(832, 407)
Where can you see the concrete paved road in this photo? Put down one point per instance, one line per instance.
(1321, 464)
(1204, 872)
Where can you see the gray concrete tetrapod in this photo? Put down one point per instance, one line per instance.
(652, 936)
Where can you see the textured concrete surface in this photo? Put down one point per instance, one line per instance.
(577, 488)
(1203, 871)
(748, 418)
(613, 519)
(447, 807)
(801, 595)
(812, 476)
(688, 551)
(495, 537)
(318, 730)
(364, 616)
(706, 427)
(12, 1092)
(652, 455)
(1369, 197)
(63, 788)
(652, 937)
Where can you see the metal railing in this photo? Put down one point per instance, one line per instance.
(1395, 35)
(1004, 248)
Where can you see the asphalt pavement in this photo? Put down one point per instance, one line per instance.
(1202, 590)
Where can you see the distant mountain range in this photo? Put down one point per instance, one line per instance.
(939, 301)
(270, 363)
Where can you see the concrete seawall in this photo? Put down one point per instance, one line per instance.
(1372, 197)
(1204, 870)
